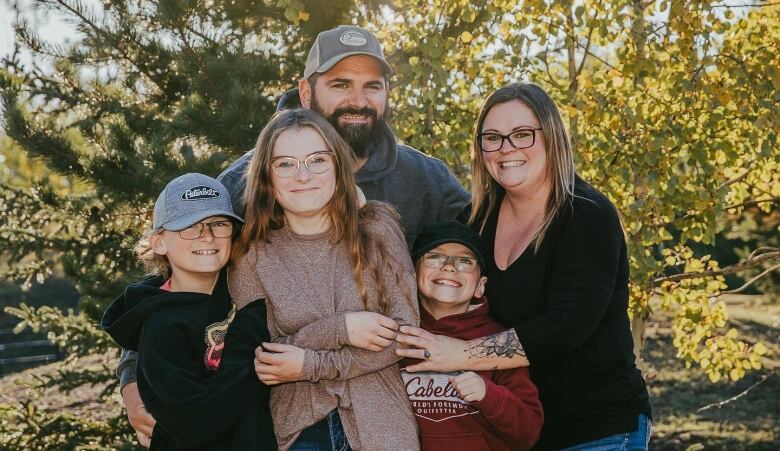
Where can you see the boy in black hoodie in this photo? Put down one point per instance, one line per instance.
(195, 350)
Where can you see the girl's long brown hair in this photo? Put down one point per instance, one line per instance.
(349, 223)
(561, 172)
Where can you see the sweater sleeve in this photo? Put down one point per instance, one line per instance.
(511, 405)
(401, 294)
(191, 405)
(582, 276)
(125, 370)
(326, 333)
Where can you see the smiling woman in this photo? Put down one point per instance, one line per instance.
(558, 276)
(320, 261)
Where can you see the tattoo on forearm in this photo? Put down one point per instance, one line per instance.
(502, 344)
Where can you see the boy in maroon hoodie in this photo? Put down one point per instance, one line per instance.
(485, 410)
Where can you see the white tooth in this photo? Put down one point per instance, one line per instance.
(508, 164)
(446, 282)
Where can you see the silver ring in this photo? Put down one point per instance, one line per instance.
(427, 354)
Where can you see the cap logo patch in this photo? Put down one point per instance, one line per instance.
(352, 38)
(200, 192)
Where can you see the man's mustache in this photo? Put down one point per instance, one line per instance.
(365, 111)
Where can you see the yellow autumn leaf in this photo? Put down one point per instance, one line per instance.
(714, 376)
(466, 37)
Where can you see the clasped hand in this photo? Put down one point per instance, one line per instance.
(277, 363)
(443, 353)
(371, 331)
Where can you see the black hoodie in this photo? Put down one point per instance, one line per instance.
(195, 407)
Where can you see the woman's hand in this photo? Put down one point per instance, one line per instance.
(371, 331)
(470, 386)
(443, 353)
(277, 363)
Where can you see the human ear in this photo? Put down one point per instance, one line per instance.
(157, 244)
(480, 287)
(304, 92)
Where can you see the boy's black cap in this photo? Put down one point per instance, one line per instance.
(440, 233)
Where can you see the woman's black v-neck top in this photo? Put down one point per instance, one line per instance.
(568, 303)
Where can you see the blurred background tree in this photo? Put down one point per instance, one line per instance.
(672, 106)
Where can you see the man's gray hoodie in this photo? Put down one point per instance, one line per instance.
(421, 188)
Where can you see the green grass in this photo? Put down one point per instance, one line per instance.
(751, 422)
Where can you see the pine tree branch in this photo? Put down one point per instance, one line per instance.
(754, 260)
(110, 38)
(186, 26)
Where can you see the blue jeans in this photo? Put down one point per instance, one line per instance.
(324, 435)
(630, 441)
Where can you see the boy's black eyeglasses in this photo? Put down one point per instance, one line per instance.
(518, 139)
(461, 264)
(220, 229)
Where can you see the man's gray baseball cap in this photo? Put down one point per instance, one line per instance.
(334, 45)
(189, 199)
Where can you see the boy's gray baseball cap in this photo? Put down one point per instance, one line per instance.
(332, 46)
(189, 199)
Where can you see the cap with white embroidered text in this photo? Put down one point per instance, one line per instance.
(189, 199)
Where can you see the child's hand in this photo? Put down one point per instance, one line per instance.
(470, 386)
(371, 331)
(140, 419)
(277, 363)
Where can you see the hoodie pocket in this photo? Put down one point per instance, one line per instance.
(452, 442)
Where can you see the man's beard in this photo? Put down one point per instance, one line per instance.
(360, 137)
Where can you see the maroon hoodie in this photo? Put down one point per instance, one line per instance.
(508, 418)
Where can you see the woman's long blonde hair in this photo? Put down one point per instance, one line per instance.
(348, 222)
(561, 172)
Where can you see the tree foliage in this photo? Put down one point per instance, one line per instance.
(672, 106)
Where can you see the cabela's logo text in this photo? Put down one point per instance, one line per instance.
(200, 192)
